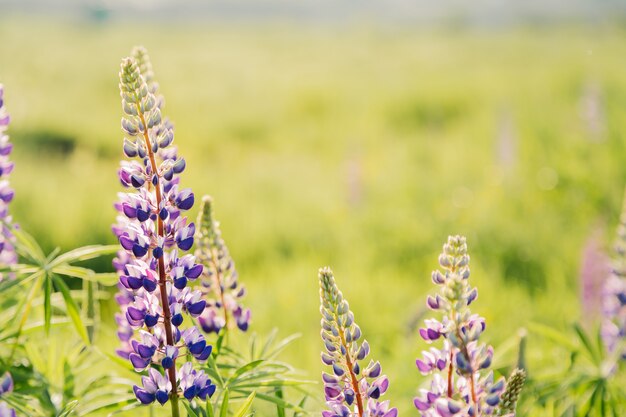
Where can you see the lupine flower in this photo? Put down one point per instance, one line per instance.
(468, 388)
(152, 229)
(614, 293)
(6, 386)
(8, 256)
(594, 270)
(219, 278)
(350, 391)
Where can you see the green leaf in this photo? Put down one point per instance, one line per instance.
(72, 309)
(27, 246)
(84, 253)
(282, 345)
(301, 406)
(247, 367)
(280, 410)
(190, 412)
(68, 409)
(245, 407)
(554, 335)
(209, 408)
(273, 399)
(595, 355)
(224, 407)
(47, 308)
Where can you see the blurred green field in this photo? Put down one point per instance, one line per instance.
(361, 148)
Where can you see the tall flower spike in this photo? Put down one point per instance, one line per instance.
(152, 229)
(614, 293)
(350, 391)
(219, 278)
(8, 256)
(462, 355)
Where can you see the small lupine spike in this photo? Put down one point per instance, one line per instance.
(340, 334)
(475, 393)
(508, 400)
(219, 279)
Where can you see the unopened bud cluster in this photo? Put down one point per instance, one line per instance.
(220, 280)
(349, 389)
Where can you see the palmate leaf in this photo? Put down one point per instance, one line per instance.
(44, 270)
(260, 372)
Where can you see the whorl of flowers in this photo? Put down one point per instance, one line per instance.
(8, 255)
(350, 391)
(219, 277)
(461, 384)
(152, 231)
(6, 386)
(614, 293)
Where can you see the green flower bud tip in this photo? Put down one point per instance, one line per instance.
(511, 395)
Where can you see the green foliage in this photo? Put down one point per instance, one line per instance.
(39, 273)
(586, 382)
(254, 375)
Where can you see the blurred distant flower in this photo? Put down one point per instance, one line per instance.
(6, 386)
(594, 270)
(476, 392)
(592, 111)
(152, 229)
(350, 391)
(219, 277)
(614, 293)
(8, 256)
(506, 141)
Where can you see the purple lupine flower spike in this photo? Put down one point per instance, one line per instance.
(350, 390)
(152, 228)
(6, 383)
(219, 279)
(8, 256)
(461, 358)
(613, 328)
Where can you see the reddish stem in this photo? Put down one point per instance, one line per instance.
(167, 315)
(450, 370)
(353, 380)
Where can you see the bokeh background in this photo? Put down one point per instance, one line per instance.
(352, 134)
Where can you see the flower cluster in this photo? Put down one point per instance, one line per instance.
(8, 256)
(350, 391)
(6, 385)
(219, 278)
(153, 233)
(614, 293)
(475, 392)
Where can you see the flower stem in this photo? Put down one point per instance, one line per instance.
(353, 380)
(218, 278)
(450, 370)
(167, 315)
